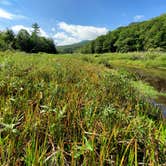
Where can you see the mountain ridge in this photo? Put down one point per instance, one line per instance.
(71, 48)
(138, 36)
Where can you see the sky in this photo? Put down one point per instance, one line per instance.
(72, 21)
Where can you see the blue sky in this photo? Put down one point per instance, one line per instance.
(71, 21)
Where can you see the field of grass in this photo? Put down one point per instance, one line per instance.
(148, 67)
(141, 60)
(70, 110)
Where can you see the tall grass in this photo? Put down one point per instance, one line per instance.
(66, 111)
(156, 60)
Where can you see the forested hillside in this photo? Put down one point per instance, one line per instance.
(24, 41)
(72, 48)
(142, 36)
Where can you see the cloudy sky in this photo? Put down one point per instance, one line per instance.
(72, 21)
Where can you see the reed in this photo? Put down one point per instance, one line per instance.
(65, 110)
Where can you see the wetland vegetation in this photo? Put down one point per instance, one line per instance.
(79, 110)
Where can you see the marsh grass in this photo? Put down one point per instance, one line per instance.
(142, 60)
(62, 110)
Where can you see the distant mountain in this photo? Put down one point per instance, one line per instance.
(72, 48)
(138, 36)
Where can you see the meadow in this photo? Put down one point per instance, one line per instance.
(77, 110)
(156, 60)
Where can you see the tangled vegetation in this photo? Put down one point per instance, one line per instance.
(63, 110)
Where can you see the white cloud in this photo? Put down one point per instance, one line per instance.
(53, 29)
(43, 33)
(17, 28)
(60, 35)
(6, 15)
(138, 17)
(10, 16)
(61, 38)
(75, 33)
(65, 34)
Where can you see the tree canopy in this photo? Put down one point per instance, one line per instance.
(24, 41)
(142, 36)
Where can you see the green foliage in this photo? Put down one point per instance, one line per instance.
(7, 40)
(36, 29)
(63, 110)
(23, 41)
(69, 49)
(134, 37)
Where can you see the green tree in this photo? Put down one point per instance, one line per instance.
(23, 41)
(36, 29)
(98, 48)
(8, 38)
(140, 36)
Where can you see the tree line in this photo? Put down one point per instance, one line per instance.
(25, 41)
(72, 48)
(142, 36)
